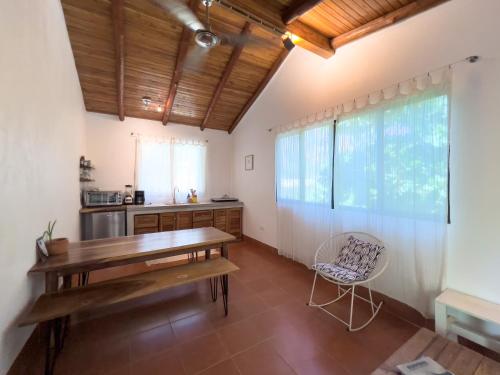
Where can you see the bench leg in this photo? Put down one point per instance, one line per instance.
(207, 254)
(49, 350)
(213, 288)
(58, 334)
(66, 321)
(224, 283)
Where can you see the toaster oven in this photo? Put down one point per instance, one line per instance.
(102, 198)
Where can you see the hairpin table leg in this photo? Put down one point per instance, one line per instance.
(224, 282)
(213, 288)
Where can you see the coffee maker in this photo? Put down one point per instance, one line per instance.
(139, 197)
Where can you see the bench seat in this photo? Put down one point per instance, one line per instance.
(51, 306)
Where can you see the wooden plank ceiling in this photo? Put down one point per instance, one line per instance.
(125, 50)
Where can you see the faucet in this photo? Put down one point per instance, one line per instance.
(175, 188)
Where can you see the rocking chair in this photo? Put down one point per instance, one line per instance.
(348, 260)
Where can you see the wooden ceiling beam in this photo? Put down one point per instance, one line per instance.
(297, 9)
(409, 10)
(267, 11)
(117, 13)
(235, 55)
(281, 58)
(179, 67)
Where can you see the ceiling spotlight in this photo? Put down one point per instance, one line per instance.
(146, 100)
(159, 109)
(288, 43)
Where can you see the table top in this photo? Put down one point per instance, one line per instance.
(452, 356)
(95, 254)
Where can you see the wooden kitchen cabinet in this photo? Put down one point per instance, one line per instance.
(220, 219)
(228, 220)
(202, 215)
(203, 224)
(203, 218)
(167, 221)
(145, 224)
(234, 221)
(145, 230)
(184, 220)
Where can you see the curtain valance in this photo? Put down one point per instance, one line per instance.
(439, 79)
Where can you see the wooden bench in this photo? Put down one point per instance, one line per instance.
(453, 306)
(50, 306)
(53, 307)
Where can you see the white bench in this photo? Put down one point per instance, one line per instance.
(451, 305)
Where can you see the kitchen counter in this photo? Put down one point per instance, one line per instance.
(157, 208)
(178, 209)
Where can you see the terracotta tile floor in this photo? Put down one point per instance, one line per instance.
(269, 330)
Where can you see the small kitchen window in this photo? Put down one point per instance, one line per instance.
(163, 165)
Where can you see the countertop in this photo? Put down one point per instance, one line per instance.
(132, 208)
(183, 206)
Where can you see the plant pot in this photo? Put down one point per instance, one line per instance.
(57, 246)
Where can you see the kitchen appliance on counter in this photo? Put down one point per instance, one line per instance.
(93, 198)
(102, 224)
(224, 198)
(129, 197)
(139, 197)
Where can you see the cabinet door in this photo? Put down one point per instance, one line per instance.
(146, 221)
(167, 221)
(145, 230)
(184, 220)
(234, 221)
(202, 215)
(203, 224)
(220, 219)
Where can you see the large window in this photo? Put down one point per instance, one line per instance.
(162, 165)
(304, 164)
(393, 158)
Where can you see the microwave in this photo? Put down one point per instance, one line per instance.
(102, 198)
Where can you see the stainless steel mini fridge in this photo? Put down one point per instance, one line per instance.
(106, 224)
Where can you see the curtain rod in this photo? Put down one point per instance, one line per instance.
(470, 59)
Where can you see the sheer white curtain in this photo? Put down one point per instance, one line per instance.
(390, 180)
(303, 189)
(165, 164)
(153, 169)
(189, 167)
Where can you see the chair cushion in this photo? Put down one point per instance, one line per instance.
(338, 273)
(359, 256)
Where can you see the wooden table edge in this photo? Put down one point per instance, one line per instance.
(135, 258)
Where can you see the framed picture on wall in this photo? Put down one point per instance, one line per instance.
(249, 163)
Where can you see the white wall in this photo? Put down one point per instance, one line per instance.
(112, 149)
(41, 139)
(307, 83)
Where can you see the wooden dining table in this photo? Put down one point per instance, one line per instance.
(86, 256)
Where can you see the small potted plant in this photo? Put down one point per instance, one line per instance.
(55, 246)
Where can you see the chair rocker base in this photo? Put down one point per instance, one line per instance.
(341, 294)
